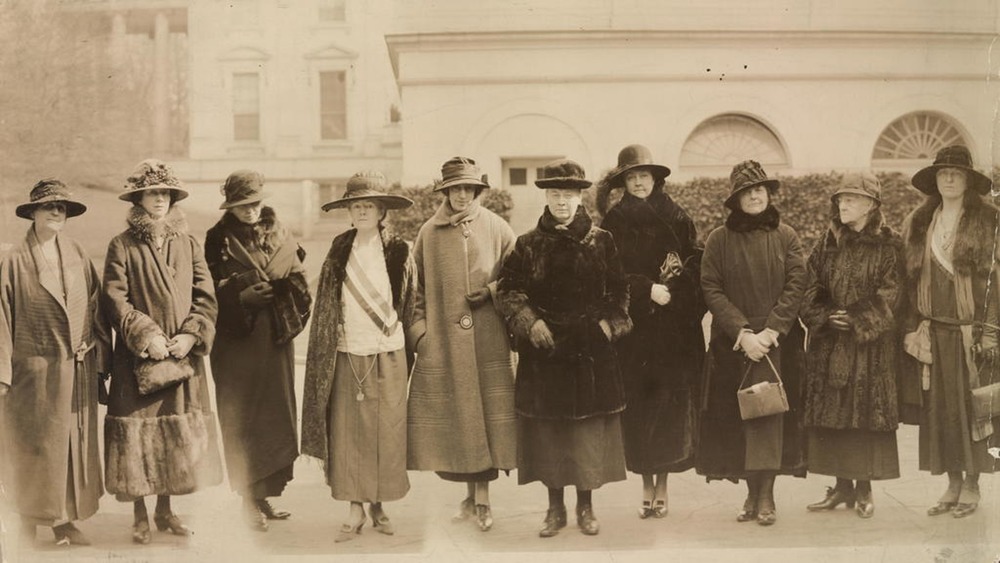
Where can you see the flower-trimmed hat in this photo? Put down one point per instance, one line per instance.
(748, 174)
(860, 183)
(460, 171)
(243, 187)
(368, 185)
(50, 190)
(955, 156)
(563, 174)
(632, 157)
(152, 174)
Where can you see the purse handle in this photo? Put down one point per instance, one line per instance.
(773, 369)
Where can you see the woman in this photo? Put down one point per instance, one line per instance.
(354, 404)
(752, 276)
(850, 304)
(461, 411)
(52, 346)
(950, 245)
(661, 358)
(564, 296)
(159, 298)
(263, 303)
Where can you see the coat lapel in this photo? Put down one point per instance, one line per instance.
(47, 276)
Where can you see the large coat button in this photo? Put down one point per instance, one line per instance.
(465, 322)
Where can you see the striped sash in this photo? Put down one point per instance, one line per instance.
(371, 301)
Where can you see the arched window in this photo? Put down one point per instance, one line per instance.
(915, 136)
(724, 140)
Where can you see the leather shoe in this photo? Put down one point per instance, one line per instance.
(380, 520)
(484, 517)
(586, 520)
(466, 510)
(749, 512)
(68, 534)
(141, 533)
(941, 508)
(866, 506)
(964, 509)
(270, 512)
(660, 508)
(254, 516)
(834, 497)
(646, 510)
(555, 520)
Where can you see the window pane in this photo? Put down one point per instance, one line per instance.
(246, 106)
(518, 176)
(333, 105)
(916, 136)
(246, 127)
(730, 138)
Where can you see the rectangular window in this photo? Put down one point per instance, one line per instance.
(246, 106)
(332, 11)
(333, 105)
(518, 176)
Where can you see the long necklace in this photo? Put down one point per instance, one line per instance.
(360, 382)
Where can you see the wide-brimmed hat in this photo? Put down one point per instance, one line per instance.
(563, 174)
(460, 171)
(368, 185)
(748, 174)
(632, 157)
(152, 174)
(243, 187)
(50, 191)
(859, 183)
(955, 156)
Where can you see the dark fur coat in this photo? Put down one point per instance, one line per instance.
(851, 380)
(327, 314)
(571, 278)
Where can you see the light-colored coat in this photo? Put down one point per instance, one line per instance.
(51, 410)
(461, 410)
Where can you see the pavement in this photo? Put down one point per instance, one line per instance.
(700, 526)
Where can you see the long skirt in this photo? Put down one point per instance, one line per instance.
(862, 455)
(583, 453)
(367, 422)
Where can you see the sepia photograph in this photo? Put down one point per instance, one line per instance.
(502, 280)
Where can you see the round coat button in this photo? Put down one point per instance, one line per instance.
(465, 321)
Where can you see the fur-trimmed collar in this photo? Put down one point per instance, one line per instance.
(875, 231)
(766, 220)
(973, 237)
(267, 233)
(607, 186)
(145, 228)
(396, 253)
(577, 229)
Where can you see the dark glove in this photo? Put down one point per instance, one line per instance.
(478, 297)
(257, 295)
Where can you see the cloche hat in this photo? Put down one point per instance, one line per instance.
(460, 171)
(860, 183)
(50, 190)
(748, 174)
(152, 174)
(243, 187)
(368, 185)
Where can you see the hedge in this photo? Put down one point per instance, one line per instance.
(804, 202)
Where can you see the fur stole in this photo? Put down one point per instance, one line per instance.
(267, 234)
(579, 229)
(766, 220)
(143, 227)
(973, 247)
(397, 251)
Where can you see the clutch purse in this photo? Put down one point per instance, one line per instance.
(986, 402)
(762, 399)
(154, 375)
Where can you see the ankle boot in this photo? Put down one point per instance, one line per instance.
(842, 493)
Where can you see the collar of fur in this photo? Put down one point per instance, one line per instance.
(396, 251)
(875, 231)
(606, 188)
(267, 233)
(147, 229)
(577, 229)
(766, 220)
(973, 248)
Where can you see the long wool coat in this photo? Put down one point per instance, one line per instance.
(50, 427)
(254, 375)
(661, 358)
(163, 443)
(461, 409)
(328, 310)
(753, 276)
(570, 277)
(851, 377)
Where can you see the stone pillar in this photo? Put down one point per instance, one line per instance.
(161, 93)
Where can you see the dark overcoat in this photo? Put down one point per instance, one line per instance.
(661, 359)
(254, 373)
(163, 443)
(570, 277)
(851, 377)
(49, 430)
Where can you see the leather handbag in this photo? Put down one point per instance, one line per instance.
(154, 375)
(766, 398)
(986, 402)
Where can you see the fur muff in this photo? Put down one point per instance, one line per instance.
(572, 278)
(851, 382)
(321, 358)
(162, 455)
